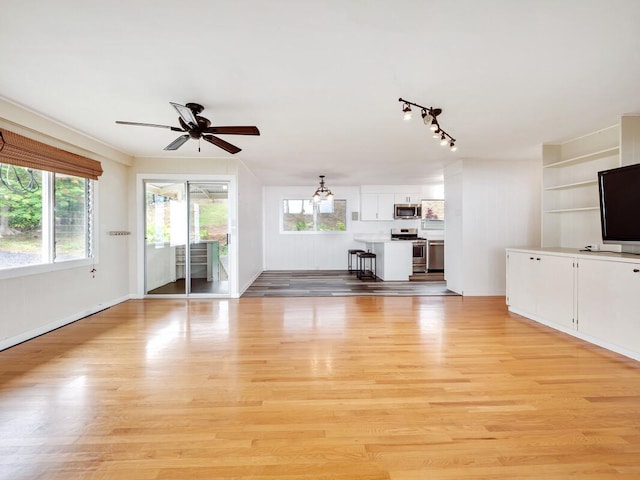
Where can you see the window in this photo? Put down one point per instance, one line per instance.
(432, 214)
(45, 217)
(302, 215)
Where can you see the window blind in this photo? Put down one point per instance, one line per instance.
(26, 152)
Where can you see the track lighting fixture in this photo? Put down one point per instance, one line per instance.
(322, 192)
(430, 118)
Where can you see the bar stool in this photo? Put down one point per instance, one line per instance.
(365, 258)
(352, 252)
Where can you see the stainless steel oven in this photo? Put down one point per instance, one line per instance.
(419, 256)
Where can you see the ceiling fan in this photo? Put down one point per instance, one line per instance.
(198, 127)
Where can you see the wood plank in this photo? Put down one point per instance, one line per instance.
(371, 388)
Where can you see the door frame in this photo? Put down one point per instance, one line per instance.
(231, 180)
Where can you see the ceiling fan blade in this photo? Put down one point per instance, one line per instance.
(177, 143)
(186, 114)
(218, 142)
(233, 130)
(175, 129)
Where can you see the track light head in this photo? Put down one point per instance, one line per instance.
(426, 118)
(452, 146)
(406, 112)
(443, 140)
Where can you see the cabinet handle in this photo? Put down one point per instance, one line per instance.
(530, 258)
(538, 259)
(635, 270)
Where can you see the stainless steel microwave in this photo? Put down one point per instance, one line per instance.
(407, 210)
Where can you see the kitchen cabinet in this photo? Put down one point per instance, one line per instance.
(376, 206)
(609, 302)
(393, 259)
(408, 197)
(541, 286)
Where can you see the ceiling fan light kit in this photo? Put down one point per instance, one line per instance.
(430, 118)
(197, 127)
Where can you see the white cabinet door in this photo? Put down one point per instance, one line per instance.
(368, 206)
(407, 198)
(376, 206)
(521, 281)
(386, 204)
(556, 289)
(609, 302)
(542, 286)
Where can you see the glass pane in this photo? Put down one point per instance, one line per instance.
(208, 237)
(165, 238)
(21, 209)
(332, 215)
(432, 215)
(70, 209)
(297, 215)
(300, 215)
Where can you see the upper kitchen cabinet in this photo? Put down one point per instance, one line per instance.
(415, 197)
(376, 206)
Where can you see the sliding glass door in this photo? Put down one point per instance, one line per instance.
(186, 238)
(208, 238)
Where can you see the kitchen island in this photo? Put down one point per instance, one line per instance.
(393, 258)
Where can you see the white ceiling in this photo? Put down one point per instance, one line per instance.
(321, 79)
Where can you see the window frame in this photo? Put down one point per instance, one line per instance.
(314, 231)
(51, 265)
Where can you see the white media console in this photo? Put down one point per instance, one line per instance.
(594, 296)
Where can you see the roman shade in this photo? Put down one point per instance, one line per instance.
(25, 152)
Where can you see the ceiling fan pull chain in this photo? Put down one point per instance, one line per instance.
(198, 145)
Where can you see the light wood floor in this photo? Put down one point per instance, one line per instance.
(351, 388)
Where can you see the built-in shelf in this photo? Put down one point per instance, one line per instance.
(584, 158)
(565, 210)
(570, 202)
(572, 185)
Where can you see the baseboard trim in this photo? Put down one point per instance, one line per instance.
(249, 283)
(36, 332)
(582, 336)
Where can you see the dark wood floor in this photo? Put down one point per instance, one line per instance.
(198, 285)
(339, 283)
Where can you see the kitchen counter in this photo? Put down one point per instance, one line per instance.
(394, 259)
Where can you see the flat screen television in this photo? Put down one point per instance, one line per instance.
(619, 190)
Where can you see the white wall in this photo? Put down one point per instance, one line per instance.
(498, 206)
(306, 251)
(245, 216)
(35, 304)
(454, 228)
(250, 222)
(327, 251)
